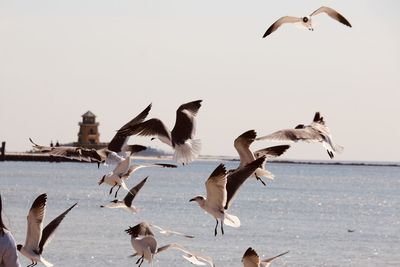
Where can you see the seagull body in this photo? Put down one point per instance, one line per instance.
(217, 198)
(181, 138)
(145, 245)
(307, 20)
(242, 145)
(38, 238)
(251, 259)
(317, 131)
(126, 203)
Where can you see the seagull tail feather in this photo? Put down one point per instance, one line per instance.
(231, 220)
(187, 152)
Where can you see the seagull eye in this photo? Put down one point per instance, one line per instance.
(305, 19)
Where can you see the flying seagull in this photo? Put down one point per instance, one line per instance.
(242, 145)
(169, 232)
(38, 238)
(307, 20)
(186, 149)
(145, 245)
(251, 259)
(317, 131)
(216, 199)
(126, 203)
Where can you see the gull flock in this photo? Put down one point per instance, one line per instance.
(221, 186)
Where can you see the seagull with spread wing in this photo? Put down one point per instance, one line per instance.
(307, 20)
(251, 259)
(145, 245)
(126, 203)
(242, 145)
(181, 138)
(38, 238)
(317, 131)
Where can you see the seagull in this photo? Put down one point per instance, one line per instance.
(242, 144)
(186, 149)
(122, 172)
(306, 21)
(317, 131)
(38, 238)
(217, 198)
(251, 259)
(126, 203)
(145, 245)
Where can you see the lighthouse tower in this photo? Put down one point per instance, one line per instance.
(88, 135)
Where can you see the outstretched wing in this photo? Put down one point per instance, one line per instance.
(274, 257)
(271, 152)
(333, 14)
(133, 192)
(216, 187)
(35, 223)
(188, 255)
(236, 178)
(294, 135)
(169, 232)
(280, 22)
(49, 230)
(121, 136)
(185, 126)
(242, 144)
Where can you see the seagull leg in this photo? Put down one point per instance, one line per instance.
(112, 188)
(215, 230)
(30, 265)
(258, 178)
(116, 192)
(222, 227)
(141, 258)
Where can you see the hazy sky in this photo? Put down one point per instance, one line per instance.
(59, 59)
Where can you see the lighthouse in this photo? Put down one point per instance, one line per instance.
(88, 135)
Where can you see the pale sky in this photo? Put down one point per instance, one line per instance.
(59, 59)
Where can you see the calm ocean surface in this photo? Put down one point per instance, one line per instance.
(307, 209)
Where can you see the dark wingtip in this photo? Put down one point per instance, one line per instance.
(250, 252)
(219, 170)
(250, 134)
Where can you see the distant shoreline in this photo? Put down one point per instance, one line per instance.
(26, 156)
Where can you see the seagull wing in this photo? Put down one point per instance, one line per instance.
(152, 127)
(121, 136)
(279, 22)
(35, 223)
(271, 152)
(242, 144)
(216, 187)
(251, 258)
(272, 258)
(293, 135)
(169, 232)
(333, 14)
(49, 230)
(185, 126)
(190, 256)
(236, 178)
(141, 229)
(133, 192)
(122, 167)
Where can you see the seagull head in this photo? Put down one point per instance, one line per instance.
(19, 246)
(300, 126)
(307, 23)
(198, 199)
(101, 180)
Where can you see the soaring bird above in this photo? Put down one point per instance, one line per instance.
(317, 131)
(307, 20)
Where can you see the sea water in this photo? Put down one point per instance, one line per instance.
(325, 215)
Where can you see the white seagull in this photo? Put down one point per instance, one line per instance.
(217, 199)
(38, 238)
(145, 245)
(307, 21)
(317, 131)
(242, 144)
(126, 203)
(251, 259)
(186, 149)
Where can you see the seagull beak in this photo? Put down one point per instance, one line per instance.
(193, 199)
